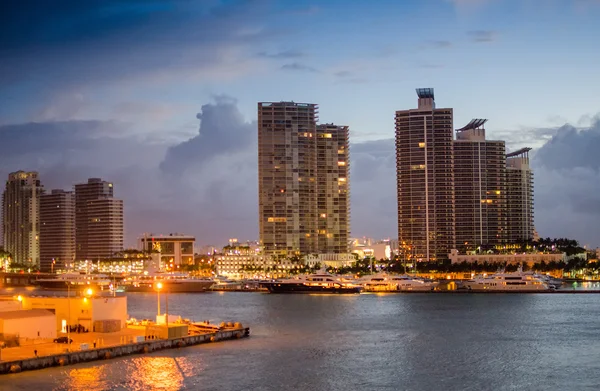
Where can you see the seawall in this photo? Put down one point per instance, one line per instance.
(119, 351)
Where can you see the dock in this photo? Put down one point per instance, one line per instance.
(104, 353)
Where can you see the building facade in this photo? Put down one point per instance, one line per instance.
(98, 220)
(57, 230)
(333, 193)
(519, 187)
(303, 181)
(425, 178)
(479, 188)
(175, 249)
(21, 217)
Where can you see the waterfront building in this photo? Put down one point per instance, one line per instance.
(425, 178)
(479, 188)
(331, 259)
(519, 187)
(57, 230)
(83, 310)
(21, 217)
(98, 220)
(175, 249)
(126, 261)
(303, 181)
(27, 324)
(512, 258)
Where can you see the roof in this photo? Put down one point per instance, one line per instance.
(36, 313)
(425, 93)
(518, 152)
(474, 124)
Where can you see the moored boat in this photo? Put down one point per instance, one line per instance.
(383, 282)
(507, 282)
(321, 282)
(171, 282)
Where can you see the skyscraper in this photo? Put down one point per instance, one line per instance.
(333, 195)
(20, 210)
(57, 229)
(303, 181)
(479, 188)
(425, 178)
(519, 188)
(98, 220)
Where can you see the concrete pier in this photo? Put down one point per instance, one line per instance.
(104, 353)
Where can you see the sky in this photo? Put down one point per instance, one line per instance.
(160, 97)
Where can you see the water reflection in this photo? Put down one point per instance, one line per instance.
(160, 373)
(89, 379)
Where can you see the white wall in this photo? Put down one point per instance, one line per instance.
(110, 308)
(30, 327)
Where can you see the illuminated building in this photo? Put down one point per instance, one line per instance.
(57, 230)
(175, 249)
(21, 217)
(303, 181)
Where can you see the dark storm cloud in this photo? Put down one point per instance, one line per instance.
(222, 130)
(118, 38)
(567, 184)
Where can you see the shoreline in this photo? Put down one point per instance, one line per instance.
(105, 353)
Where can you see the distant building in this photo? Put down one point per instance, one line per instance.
(175, 249)
(529, 258)
(303, 181)
(57, 230)
(425, 177)
(326, 260)
(126, 261)
(28, 324)
(479, 188)
(98, 220)
(519, 188)
(21, 219)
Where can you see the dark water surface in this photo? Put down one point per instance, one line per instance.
(360, 342)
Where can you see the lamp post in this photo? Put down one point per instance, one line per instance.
(69, 316)
(159, 286)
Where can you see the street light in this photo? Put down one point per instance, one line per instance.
(159, 286)
(89, 292)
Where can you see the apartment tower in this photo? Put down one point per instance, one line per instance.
(333, 198)
(21, 217)
(519, 188)
(425, 178)
(303, 181)
(479, 188)
(57, 230)
(98, 220)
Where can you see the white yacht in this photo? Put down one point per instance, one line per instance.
(174, 282)
(383, 282)
(507, 282)
(65, 281)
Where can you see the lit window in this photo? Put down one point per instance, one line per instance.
(341, 179)
(341, 163)
(323, 215)
(421, 145)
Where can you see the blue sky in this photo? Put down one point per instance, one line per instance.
(142, 70)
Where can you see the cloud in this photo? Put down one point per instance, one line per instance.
(296, 66)
(567, 184)
(286, 54)
(192, 37)
(439, 44)
(482, 36)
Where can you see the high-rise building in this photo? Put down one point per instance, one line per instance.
(519, 189)
(21, 219)
(479, 188)
(57, 230)
(333, 196)
(425, 178)
(98, 220)
(302, 176)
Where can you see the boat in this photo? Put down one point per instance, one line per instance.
(507, 282)
(552, 282)
(321, 282)
(75, 281)
(223, 283)
(382, 282)
(172, 283)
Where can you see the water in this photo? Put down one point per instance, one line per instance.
(360, 342)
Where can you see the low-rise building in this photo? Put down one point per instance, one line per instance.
(529, 258)
(83, 311)
(127, 261)
(332, 259)
(28, 324)
(175, 249)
